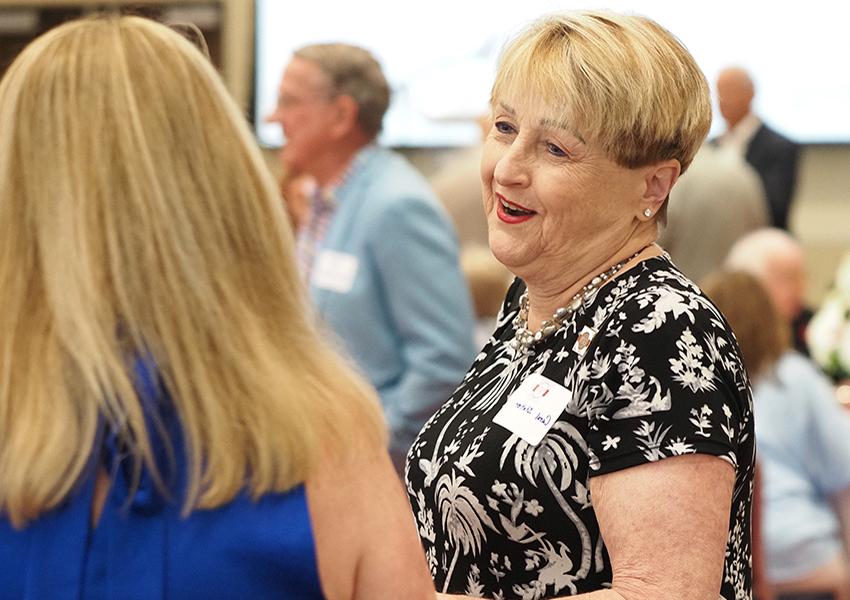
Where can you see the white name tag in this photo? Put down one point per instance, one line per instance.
(335, 271)
(533, 408)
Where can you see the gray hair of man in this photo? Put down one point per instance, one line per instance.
(754, 252)
(778, 261)
(354, 72)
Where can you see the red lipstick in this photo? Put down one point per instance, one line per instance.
(511, 212)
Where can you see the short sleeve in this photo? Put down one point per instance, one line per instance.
(664, 378)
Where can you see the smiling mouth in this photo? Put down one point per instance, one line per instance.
(514, 210)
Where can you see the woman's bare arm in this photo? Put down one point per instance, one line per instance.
(366, 542)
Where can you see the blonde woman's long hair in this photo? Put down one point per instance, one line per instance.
(137, 220)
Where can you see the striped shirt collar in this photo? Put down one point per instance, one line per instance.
(327, 195)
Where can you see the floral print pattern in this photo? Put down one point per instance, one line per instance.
(500, 518)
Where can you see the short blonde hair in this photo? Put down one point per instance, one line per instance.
(138, 220)
(354, 72)
(622, 82)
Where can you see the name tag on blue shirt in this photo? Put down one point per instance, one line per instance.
(533, 408)
(335, 271)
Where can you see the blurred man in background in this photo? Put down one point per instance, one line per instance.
(772, 155)
(717, 201)
(375, 248)
(458, 185)
(777, 261)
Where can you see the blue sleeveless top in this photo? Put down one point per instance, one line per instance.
(143, 549)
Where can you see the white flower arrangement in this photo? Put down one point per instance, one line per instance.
(828, 333)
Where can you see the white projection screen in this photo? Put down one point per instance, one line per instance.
(440, 56)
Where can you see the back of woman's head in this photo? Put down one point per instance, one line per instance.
(762, 335)
(137, 219)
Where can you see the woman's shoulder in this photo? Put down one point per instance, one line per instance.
(656, 296)
(657, 316)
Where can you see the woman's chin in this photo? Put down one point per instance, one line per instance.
(508, 251)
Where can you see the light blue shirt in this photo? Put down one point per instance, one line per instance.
(803, 441)
(395, 298)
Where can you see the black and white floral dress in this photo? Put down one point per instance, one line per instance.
(661, 376)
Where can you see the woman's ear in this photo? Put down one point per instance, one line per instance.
(659, 180)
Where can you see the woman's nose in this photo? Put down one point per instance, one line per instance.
(513, 168)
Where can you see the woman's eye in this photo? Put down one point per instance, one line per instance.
(555, 150)
(503, 127)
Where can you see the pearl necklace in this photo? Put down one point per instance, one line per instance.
(524, 338)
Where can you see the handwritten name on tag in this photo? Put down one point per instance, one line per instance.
(335, 271)
(533, 408)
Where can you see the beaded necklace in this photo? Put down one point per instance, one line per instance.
(524, 339)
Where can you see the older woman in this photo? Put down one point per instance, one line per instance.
(601, 446)
(171, 425)
(804, 448)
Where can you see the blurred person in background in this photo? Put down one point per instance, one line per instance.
(376, 249)
(719, 200)
(774, 156)
(488, 281)
(803, 438)
(458, 186)
(296, 190)
(778, 262)
(601, 445)
(171, 424)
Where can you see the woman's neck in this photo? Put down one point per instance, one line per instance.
(544, 298)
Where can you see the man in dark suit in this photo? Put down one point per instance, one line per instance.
(773, 156)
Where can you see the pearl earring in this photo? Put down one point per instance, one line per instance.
(647, 213)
